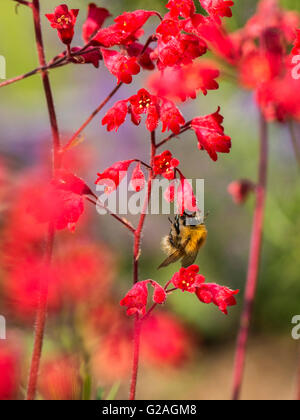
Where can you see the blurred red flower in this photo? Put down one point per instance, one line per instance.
(64, 21)
(60, 379)
(240, 190)
(165, 341)
(10, 368)
(217, 8)
(184, 82)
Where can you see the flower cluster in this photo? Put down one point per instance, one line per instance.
(137, 297)
(186, 279)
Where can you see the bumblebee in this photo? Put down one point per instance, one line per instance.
(187, 235)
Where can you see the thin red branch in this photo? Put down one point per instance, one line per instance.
(136, 356)
(254, 262)
(56, 62)
(91, 117)
(136, 255)
(184, 128)
(42, 307)
(115, 216)
(138, 232)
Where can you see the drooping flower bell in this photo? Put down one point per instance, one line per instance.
(64, 21)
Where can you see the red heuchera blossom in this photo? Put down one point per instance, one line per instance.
(60, 379)
(210, 134)
(60, 207)
(217, 8)
(127, 29)
(171, 117)
(188, 279)
(174, 47)
(116, 116)
(120, 66)
(137, 297)
(183, 8)
(144, 103)
(64, 21)
(185, 198)
(113, 175)
(136, 49)
(216, 37)
(138, 178)
(183, 82)
(240, 190)
(164, 165)
(218, 295)
(182, 194)
(94, 21)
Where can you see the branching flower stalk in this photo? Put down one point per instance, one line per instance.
(66, 187)
(42, 306)
(254, 261)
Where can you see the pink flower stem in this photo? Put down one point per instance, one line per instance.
(42, 306)
(254, 262)
(136, 255)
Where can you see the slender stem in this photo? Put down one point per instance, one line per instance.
(254, 262)
(90, 118)
(42, 307)
(57, 61)
(137, 235)
(136, 356)
(115, 216)
(294, 141)
(136, 254)
(24, 2)
(184, 128)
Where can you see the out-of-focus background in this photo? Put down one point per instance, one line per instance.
(187, 346)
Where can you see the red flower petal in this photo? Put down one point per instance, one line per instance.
(138, 178)
(210, 134)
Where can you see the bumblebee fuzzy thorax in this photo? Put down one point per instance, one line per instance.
(183, 241)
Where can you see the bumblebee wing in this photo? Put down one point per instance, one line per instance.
(190, 256)
(179, 253)
(189, 259)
